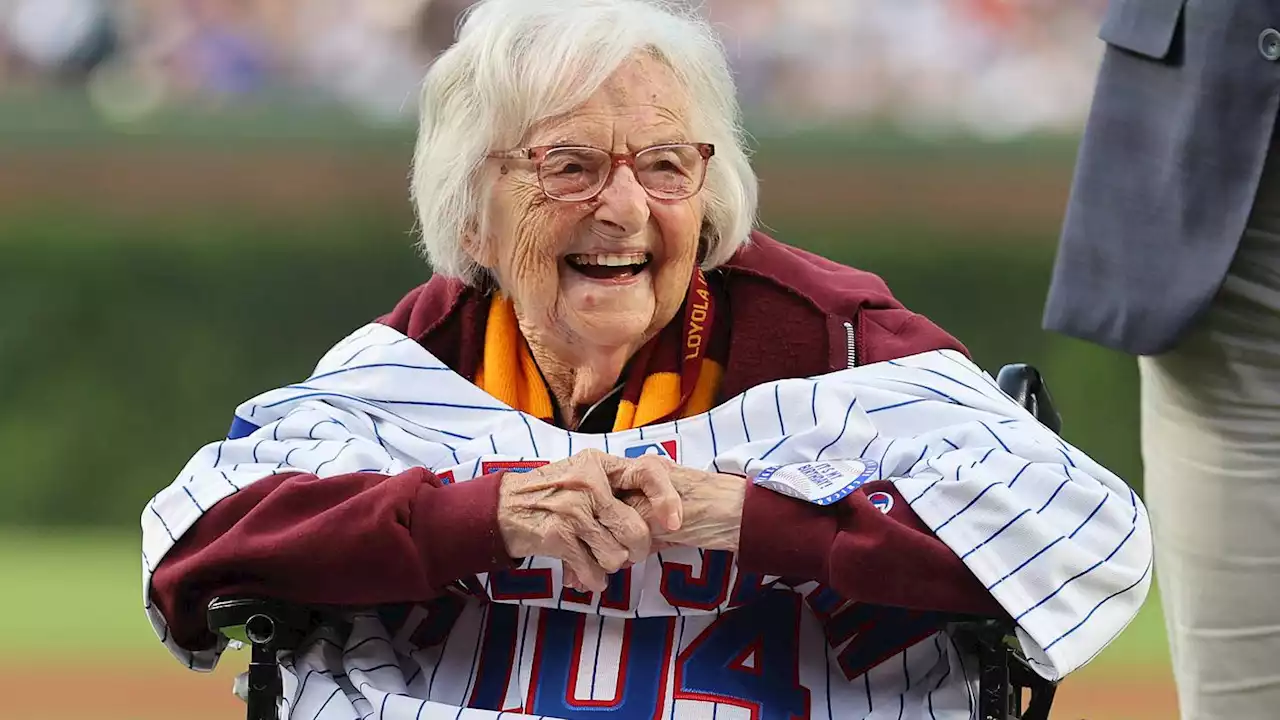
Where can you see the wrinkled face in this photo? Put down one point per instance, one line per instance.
(612, 271)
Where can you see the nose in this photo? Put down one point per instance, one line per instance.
(623, 204)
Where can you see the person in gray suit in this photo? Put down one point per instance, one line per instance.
(1170, 251)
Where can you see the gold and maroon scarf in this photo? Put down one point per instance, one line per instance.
(675, 375)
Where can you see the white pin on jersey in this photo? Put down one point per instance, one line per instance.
(1061, 543)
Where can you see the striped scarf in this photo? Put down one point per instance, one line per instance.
(675, 375)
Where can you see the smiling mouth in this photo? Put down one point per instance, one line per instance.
(609, 267)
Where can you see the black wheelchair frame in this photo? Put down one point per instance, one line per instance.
(270, 626)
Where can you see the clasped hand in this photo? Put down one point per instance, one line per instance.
(599, 513)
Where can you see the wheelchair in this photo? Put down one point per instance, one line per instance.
(1004, 673)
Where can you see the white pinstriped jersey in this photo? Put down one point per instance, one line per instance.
(1060, 542)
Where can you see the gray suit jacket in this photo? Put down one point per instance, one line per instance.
(1181, 121)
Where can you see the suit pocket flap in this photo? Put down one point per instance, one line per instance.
(1145, 27)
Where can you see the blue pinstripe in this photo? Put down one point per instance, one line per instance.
(362, 350)
(532, 440)
(163, 524)
(942, 375)
(372, 404)
(867, 447)
(346, 444)
(1026, 562)
(994, 435)
(1054, 495)
(996, 534)
(895, 406)
(843, 428)
(775, 447)
(1102, 602)
(383, 401)
(331, 373)
(930, 388)
(187, 490)
(777, 404)
(970, 504)
(885, 454)
(1066, 457)
(1019, 474)
(1080, 574)
(326, 704)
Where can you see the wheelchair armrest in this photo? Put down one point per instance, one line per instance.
(263, 621)
(268, 626)
(1004, 672)
(1027, 387)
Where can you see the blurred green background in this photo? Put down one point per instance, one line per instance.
(197, 199)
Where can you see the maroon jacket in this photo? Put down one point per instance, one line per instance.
(367, 539)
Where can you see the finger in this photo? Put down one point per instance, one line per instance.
(568, 578)
(623, 524)
(608, 552)
(577, 557)
(628, 527)
(651, 476)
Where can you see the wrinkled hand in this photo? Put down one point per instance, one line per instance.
(711, 503)
(568, 510)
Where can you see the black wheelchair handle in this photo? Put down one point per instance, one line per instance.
(1026, 386)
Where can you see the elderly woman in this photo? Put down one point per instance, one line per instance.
(623, 456)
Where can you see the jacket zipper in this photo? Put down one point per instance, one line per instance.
(851, 345)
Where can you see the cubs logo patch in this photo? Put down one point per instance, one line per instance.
(882, 501)
(669, 449)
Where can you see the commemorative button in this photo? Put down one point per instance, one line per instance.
(820, 482)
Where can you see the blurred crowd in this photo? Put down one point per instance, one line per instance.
(991, 67)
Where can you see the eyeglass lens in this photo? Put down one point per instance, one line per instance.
(673, 172)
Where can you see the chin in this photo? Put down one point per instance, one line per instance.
(612, 329)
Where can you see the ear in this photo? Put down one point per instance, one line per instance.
(704, 242)
(476, 248)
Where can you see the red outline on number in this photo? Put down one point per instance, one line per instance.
(736, 598)
(670, 568)
(626, 593)
(575, 661)
(753, 707)
(820, 614)
(586, 598)
(545, 574)
(535, 667)
(446, 477)
(757, 647)
(568, 594)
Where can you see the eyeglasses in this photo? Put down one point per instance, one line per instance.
(578, 174)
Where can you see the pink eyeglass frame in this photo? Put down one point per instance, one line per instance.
(539, 153)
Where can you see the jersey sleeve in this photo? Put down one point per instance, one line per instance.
(1060, 543)
(322, 492)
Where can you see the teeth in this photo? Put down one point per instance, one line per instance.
(609, 260)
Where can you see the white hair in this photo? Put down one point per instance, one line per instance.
(517, 62)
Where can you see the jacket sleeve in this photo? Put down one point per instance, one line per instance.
(353, 539)
(979, 508)
(862, 553)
